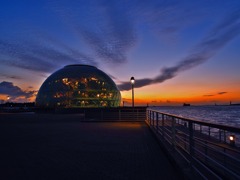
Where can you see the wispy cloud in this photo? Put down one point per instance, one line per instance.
(4, 76)
(37, 57)
(114, 34)
(72, 53)
(23, 56)
(208, 95)
(222, 34)
(217, 94)
(220, 93)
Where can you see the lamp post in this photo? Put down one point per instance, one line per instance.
(132, 80)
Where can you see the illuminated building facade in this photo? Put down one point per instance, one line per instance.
(77, 86)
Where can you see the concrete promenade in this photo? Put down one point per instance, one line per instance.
(48, 147)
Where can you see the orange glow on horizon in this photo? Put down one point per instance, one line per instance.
(168, 95)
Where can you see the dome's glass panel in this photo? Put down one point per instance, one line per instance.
(78, 86)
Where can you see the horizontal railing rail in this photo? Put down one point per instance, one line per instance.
(109, 114)
(205, 147)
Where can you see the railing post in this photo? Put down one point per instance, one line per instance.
(224, 136)
(191, 140)
(147, 115)
(157, 121)
(163, 133)
(150, 117)
(153, 118)
(173, 133)
(220, 135)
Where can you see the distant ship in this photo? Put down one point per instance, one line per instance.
(238, 104)
(185, 104)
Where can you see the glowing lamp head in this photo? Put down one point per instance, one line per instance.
(232, 140)
(132, 80)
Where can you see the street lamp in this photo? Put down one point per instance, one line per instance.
(8, 98)
(132, 80)
(232, 140)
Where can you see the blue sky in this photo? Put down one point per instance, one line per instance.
(177, 50)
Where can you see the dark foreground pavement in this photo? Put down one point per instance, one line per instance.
(80, 150)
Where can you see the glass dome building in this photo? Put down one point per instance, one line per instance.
(76, 86)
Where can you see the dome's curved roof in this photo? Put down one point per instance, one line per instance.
(78, 86)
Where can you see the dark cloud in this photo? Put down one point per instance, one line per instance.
(114, 36)
(168, 101)
(72, 53)
(9, 76)
(22, 56)
(219, 93)
(206, 49)
(208, 95)
(113, 77)
(9, 89)
(105, 27)
(138, 83)
(37, 57)
(168, 18)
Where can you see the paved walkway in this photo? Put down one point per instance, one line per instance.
(77, 150)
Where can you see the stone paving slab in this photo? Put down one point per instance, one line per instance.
(81, 150)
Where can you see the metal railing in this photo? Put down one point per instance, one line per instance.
(108, 114)
(204, 146)
(115, 114)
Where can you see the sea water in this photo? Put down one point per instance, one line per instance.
(225, 115)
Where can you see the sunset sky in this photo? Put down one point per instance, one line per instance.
(178, 51)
